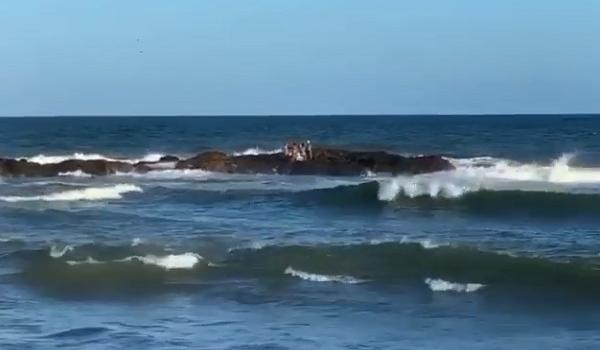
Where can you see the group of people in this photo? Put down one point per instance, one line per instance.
(298, 152)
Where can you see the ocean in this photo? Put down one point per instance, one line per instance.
(501, 253)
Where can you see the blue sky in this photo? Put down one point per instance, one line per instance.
(192, 57)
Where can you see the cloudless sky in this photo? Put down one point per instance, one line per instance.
(193, 57)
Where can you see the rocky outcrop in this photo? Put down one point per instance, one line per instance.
(326, 161)
(14, 167)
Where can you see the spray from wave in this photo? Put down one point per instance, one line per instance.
(492, 174)
(253, 151)
(169, 262)
(182, 261)
(86, 194)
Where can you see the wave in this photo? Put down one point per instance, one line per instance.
(171, 174)
(53, 159)
(88, 260)
(56, 252)
(92, 268)
(493, 174)
(87, 194)
(78, 332)
(253, 151)
(169, 262)
(425, 243)
(367, 197)
(76, 173)
(439, 285)
(314, 277)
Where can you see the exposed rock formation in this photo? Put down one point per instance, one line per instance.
(333, 162)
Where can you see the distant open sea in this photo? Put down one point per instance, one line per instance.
(501, 253)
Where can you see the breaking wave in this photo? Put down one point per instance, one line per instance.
(76, 173)
(56, 252)
(86, 194)
(93, 268)
(314, 277)
(169, 262)
(253, 151)
(53, 159)
(493, 174)
(439, 285)
(171, 174)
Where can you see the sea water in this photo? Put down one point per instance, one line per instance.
(500, 253)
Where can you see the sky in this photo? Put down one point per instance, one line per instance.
(275, 57)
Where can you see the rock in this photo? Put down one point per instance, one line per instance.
(13, 167)
(325, 161)
(168, 158)
(212, 161)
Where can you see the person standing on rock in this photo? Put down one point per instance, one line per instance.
(302, 156)
(309, 154)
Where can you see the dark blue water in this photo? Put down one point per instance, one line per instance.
(502, 252)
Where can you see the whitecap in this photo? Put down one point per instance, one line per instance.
(53, 159)
(440, 285)
(428, 244)
(253, 151)
(313, 277)
(168, 262)
(76, 173)
(56, 252)
(88, 194)
(171, 174)
(89, 260)
(493, 174)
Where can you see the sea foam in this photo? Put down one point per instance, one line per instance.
(440, 285)
(86, 194)
(253, 151)
(56, 252)
(313, 277)
(76, 173)
(168, 262)
(493, 174)
(53, 159)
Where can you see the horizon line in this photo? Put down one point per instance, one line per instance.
(301, 115)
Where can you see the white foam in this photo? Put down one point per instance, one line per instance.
(440, 285)
(487, 173)
(136, 241)
(368, 173)
(53, 159)
(56, 252)
(425, 243)
(253, 151)
(171, 261)
(171, 174)
(428, 244)
(313, 277)
(76, 173)
(87, 194)
(89, 260)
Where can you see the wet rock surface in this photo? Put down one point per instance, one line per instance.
(325, 161)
